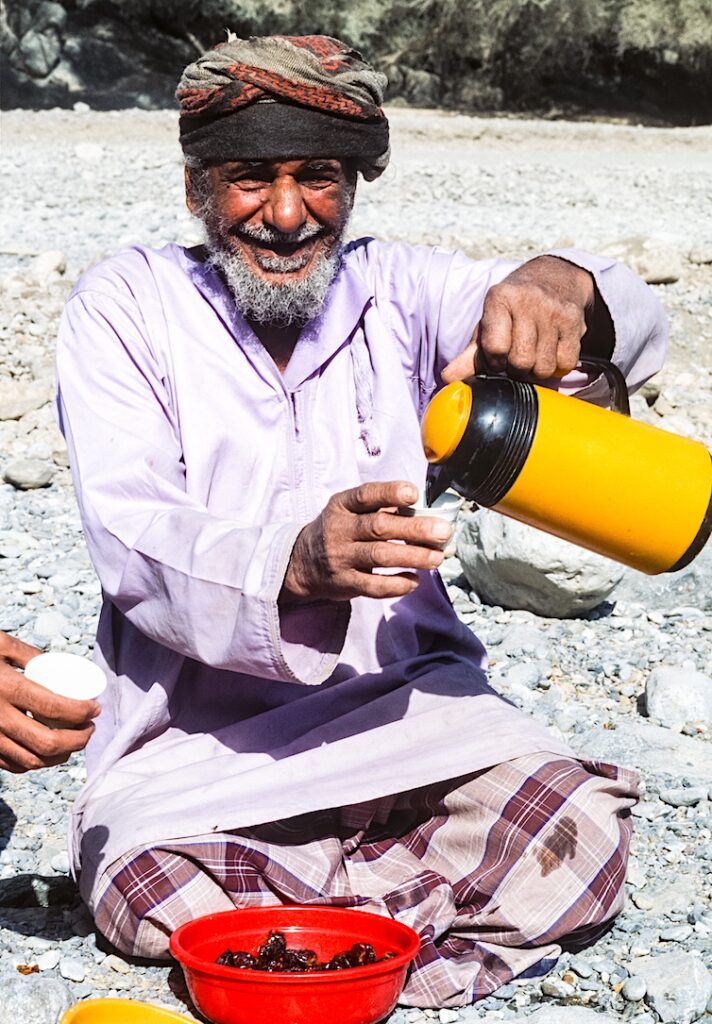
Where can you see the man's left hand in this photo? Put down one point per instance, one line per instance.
(532, 323)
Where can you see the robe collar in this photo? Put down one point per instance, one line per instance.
(346, 302)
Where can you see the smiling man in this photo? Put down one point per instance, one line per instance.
(295, 712)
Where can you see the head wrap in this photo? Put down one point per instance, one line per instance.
(282, 97)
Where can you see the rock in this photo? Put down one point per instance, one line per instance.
(33, 999)
(49, 960)
(654, 262)
(523, 639)
(683, 796)
(671, 897)
(53, 261)
(19, 397)
(116, 964)
(524, 673)
(691, 586)
(570, 1015)
(447, 1016)
(40, 51)
(580, 967)
(513, 565)
(557, 988)
(701, 253)
(60, 863)
(634, 989)
(28, 474)
(677, 934)
(72, 969)
(676, 695)
(679, 986)
(52, 624)
(648, 748)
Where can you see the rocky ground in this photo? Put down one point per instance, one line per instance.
(77, 186)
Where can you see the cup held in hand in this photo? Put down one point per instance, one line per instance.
(446, 507)
(67, 675)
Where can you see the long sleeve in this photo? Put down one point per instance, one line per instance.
(638, 319)
(202, 584)
(434, 300)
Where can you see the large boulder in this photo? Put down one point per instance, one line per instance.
(33, 999)
(679, 986)
(513, 565)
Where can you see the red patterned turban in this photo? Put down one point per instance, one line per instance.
(284, 97)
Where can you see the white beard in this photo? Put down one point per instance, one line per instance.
(284, 303)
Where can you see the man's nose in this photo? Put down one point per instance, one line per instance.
(285, 209)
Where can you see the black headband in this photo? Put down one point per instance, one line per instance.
(274, 131)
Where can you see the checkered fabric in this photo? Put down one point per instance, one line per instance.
(495, 871)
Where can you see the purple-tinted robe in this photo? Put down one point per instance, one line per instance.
(196, 464)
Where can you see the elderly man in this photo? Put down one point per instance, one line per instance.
(295, 712)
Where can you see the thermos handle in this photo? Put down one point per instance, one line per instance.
(615, 379)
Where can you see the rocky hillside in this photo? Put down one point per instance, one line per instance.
(651, 59)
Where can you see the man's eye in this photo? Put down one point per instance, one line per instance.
(249, 183)
(316, 181)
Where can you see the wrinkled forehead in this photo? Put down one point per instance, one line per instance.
(330, 166)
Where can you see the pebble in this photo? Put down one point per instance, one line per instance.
(72, 970)
(49, 960)
(676, 696)
(580, 967)
(557, 988)
(52, 624)
(60, 863)
(28, 474)
(681, 796)
(447, 1016)
(116, 964)
(634, 989)
(677, 934)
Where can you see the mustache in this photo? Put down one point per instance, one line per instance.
(271, 235)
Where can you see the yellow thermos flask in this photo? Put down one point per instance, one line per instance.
(635, 493)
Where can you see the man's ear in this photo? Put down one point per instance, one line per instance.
(190, 200)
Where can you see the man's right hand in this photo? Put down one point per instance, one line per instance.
(335, 556)
(26, 744)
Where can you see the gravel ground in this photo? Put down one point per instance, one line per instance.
(78, 186)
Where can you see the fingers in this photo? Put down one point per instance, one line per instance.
(463, 365)
(532, 323)
(15, 650)
(377, 495)
(26, 695)
(27, 745)
(385, 554)
(429, 531)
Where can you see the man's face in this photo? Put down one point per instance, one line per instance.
(274, 228)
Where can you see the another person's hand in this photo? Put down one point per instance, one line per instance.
(532, 323)
(335, 556)
(26, 744)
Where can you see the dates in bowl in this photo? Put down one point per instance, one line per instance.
(294, 964)
(274, 955)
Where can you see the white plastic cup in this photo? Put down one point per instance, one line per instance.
(447, 506)
(67, 675)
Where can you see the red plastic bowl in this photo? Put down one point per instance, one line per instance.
(230, 995)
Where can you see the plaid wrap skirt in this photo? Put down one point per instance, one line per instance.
(495, 871)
